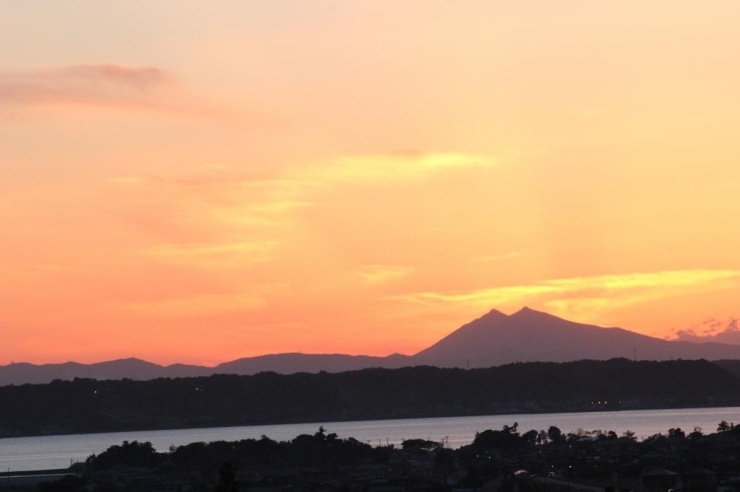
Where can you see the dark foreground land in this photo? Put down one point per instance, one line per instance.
(505, 460)
(87, 405)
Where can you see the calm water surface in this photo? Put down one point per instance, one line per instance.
(48, 452)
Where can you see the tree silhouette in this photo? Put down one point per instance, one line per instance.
(724, 426)
(555, 434)
(227, 478)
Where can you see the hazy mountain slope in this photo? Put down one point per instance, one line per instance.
(295, 362)
(22, 373)
(529, 335)
(491, 340)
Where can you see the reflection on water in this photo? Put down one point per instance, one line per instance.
(36, 453)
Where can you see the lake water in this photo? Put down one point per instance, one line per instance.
(50, 452)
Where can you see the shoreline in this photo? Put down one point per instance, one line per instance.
(327, 422)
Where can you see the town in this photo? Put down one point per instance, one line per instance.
(504, 460)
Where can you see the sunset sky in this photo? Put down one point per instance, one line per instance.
(196, 182)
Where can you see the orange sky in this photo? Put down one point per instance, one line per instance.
(192, 184)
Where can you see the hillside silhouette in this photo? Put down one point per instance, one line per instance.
(530, 335)
(491, 340)
(534, 460)
(87, 405)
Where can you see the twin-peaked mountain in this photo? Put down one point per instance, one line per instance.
(529, 336)
(491, 340)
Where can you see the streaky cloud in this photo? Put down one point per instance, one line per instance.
(584, 296)
(381, 274)
(224, 199)
(106, 86)
(84, 84)
(215, 255)
(398, 166)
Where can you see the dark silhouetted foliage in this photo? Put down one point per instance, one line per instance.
(86, 405)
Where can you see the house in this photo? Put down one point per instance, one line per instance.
(699, 480)
(660, 479)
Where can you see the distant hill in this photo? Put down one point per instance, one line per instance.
(21, 373)
(529, 335)
(86, 405)
(293, 363)
(491, 340)
(140, 370)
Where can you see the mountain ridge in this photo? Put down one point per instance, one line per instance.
(493, 339)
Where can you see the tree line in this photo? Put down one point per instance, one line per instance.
(87, 405)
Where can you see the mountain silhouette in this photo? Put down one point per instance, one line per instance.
(491, 340)
(529, 336)
(137, 369)
(132, 368)
(297, 362)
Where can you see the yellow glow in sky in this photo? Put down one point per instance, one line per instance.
(192, 184)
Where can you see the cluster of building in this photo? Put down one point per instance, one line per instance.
(497, 461)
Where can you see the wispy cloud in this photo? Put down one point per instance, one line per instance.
(84, 84)
(289, 187)
(222, 204)
(710, 330)
(380, 274)
(219, 255)
(585, 296)
(107, 86)
(397, 166)
(227, 198)
(269, 213)
(214, 201)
